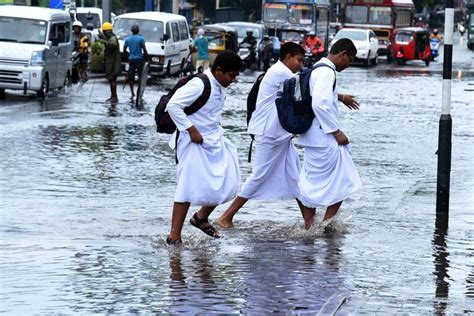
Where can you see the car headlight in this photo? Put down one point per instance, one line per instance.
(37, 58)
(158, 59)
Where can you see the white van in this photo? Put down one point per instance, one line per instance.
(35, 49)
(166, 36)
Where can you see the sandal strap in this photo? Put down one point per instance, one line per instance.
(200, 221)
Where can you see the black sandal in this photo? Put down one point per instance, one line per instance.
(207, 229)
(175, 242)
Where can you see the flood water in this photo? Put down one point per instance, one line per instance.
(87, 190)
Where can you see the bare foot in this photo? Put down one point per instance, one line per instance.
(224, 223)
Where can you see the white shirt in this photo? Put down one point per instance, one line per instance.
(206, 119)
(264, 119)
(325, 107)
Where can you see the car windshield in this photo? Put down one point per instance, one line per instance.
(353, 35)
(152, 31)
(22, 30)
(403, 37)
(380, 15)
(242, 31)
(89, 18)
(356, 14)
(293, 36)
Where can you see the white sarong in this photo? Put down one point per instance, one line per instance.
(275, 172)
(328, 175)
(207, 174)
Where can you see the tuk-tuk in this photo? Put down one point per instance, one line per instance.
(220, 37)
(411, 43)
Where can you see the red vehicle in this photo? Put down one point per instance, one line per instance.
(381, 16)
(411, 43)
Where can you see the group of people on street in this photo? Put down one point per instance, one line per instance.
(208, 169)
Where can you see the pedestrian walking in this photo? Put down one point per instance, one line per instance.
(328, 175)
(276, 166)
(202, 45)
(207, 169)
(137, 54)
(113, 64)
(266, 48)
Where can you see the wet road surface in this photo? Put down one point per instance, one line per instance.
(86, 192)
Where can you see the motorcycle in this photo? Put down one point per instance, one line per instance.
(313, 55)
(76, 73)
(435, 43)
(247, 55)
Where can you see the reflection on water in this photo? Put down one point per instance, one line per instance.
(441, 263)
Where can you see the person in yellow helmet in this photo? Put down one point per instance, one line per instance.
(113, 65)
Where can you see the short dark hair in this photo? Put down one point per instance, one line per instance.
(343, 44)
(292, 49)
(228, 61)
(135, 29)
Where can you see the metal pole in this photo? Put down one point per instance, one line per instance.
(175, 8)
(106, 5)
(218, 5)
(445, 121)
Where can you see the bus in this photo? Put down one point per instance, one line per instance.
(310, 15)
(381, 16)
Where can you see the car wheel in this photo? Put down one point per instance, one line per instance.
(367, 61)
(2, 94)
(375, 60)
(43, 91)
(168, 69)
(389, 58)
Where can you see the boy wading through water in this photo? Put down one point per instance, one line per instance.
(328, 175)
(276, 171)
(208, 169)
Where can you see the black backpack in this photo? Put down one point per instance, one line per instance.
(252, 97)
(164, 123)
(251, 105)
(293, 102)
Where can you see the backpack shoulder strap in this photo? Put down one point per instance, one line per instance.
(318, 65)
(203, 98)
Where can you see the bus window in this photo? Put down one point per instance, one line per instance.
(275, 12)
(380, 15)
(403, 18)
(356, 14)
(301, 14)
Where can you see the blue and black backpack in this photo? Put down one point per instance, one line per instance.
(294, 101)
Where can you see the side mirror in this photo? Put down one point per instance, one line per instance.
(165, 37)
(49, 44)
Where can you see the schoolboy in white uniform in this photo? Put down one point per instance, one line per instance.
(276, 166)
(207, 170)
(328, 175)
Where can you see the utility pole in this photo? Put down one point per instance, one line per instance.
(175, 6)
(106, 6)
(445, 121)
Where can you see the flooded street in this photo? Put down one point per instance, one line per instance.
(86, 192)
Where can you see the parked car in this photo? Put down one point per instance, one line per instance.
(35, 49)
(364, 40)
(167, 39)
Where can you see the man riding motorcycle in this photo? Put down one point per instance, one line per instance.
(81, 52)
(252, 42)
(315, 45)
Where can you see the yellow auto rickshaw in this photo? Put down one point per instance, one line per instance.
(220, 37)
